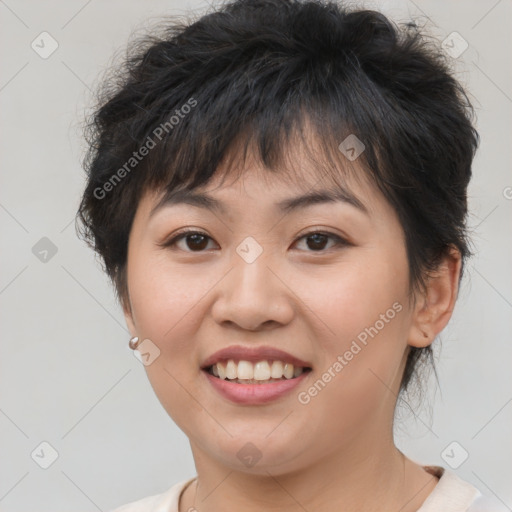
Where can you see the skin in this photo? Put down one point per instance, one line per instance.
(337, 451)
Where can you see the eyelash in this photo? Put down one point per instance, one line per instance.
(340, 242)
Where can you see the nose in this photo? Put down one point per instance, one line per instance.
(253, 296)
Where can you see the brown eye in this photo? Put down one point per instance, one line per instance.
(195, 241)
(316, 241)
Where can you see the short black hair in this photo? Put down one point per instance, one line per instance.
(255, 71)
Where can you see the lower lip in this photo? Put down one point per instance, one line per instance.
(254, 393)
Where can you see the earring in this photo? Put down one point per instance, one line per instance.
(134, 342)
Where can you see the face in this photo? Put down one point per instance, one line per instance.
(325, 283)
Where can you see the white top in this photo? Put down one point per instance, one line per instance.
(451, 494)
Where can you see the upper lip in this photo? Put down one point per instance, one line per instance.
(253, 354)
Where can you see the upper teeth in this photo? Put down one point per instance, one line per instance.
(262, 370)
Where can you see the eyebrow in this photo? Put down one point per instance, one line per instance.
(203, 200)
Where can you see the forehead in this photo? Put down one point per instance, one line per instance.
(289, 188)
(301, 167)
(306, 162)
(305, 159)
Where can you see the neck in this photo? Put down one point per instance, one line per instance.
(384, 480)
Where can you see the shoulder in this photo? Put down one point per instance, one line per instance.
(453, 494)
(164, 502)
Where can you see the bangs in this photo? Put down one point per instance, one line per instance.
(270, 124)
(304, 155)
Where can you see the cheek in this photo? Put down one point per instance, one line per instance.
(164, 298)
(362, 317)
(165, 302)
(354, 295)
(358, 378)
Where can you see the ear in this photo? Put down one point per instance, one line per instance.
(128, 315)
(434, 306)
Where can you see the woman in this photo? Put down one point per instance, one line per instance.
(278, 192)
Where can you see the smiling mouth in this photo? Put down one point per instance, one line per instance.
(261, 372)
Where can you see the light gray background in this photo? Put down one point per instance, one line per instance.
(67, 374)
